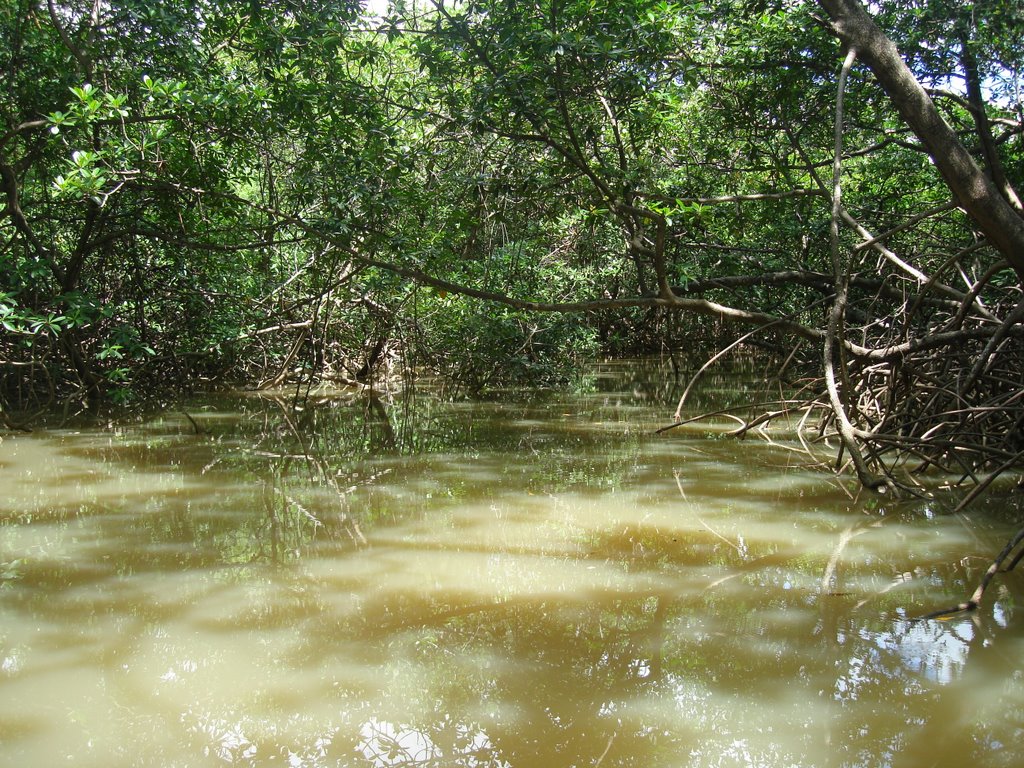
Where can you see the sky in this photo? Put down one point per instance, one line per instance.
(376, 7)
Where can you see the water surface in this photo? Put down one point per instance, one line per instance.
(521, 582)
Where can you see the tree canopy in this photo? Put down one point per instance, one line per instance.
(493, 190)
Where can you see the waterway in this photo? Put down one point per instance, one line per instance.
(530, 580)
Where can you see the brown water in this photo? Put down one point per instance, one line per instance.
(506, 584)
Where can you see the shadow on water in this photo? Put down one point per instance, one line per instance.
(527, 581)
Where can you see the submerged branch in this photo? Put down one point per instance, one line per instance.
(996, 567)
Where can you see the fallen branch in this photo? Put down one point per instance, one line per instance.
(996, 567)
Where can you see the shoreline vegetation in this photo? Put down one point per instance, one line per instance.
(495, 194)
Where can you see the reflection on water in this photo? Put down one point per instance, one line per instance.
(385, 744)
(512, 583)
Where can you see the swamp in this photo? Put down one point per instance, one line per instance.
(394, 383)
(526, 581)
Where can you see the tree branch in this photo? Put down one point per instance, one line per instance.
(978, 195)
(834, 334)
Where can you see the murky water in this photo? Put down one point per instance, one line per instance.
(507, 584)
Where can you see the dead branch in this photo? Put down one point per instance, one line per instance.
(996, 567)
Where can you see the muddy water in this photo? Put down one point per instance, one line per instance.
(525, 582)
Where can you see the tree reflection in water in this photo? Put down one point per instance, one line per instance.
(386, 745)
(485, 585)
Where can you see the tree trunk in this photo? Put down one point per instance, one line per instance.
(972, 188)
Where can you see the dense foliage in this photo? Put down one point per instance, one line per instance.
(291, 191)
